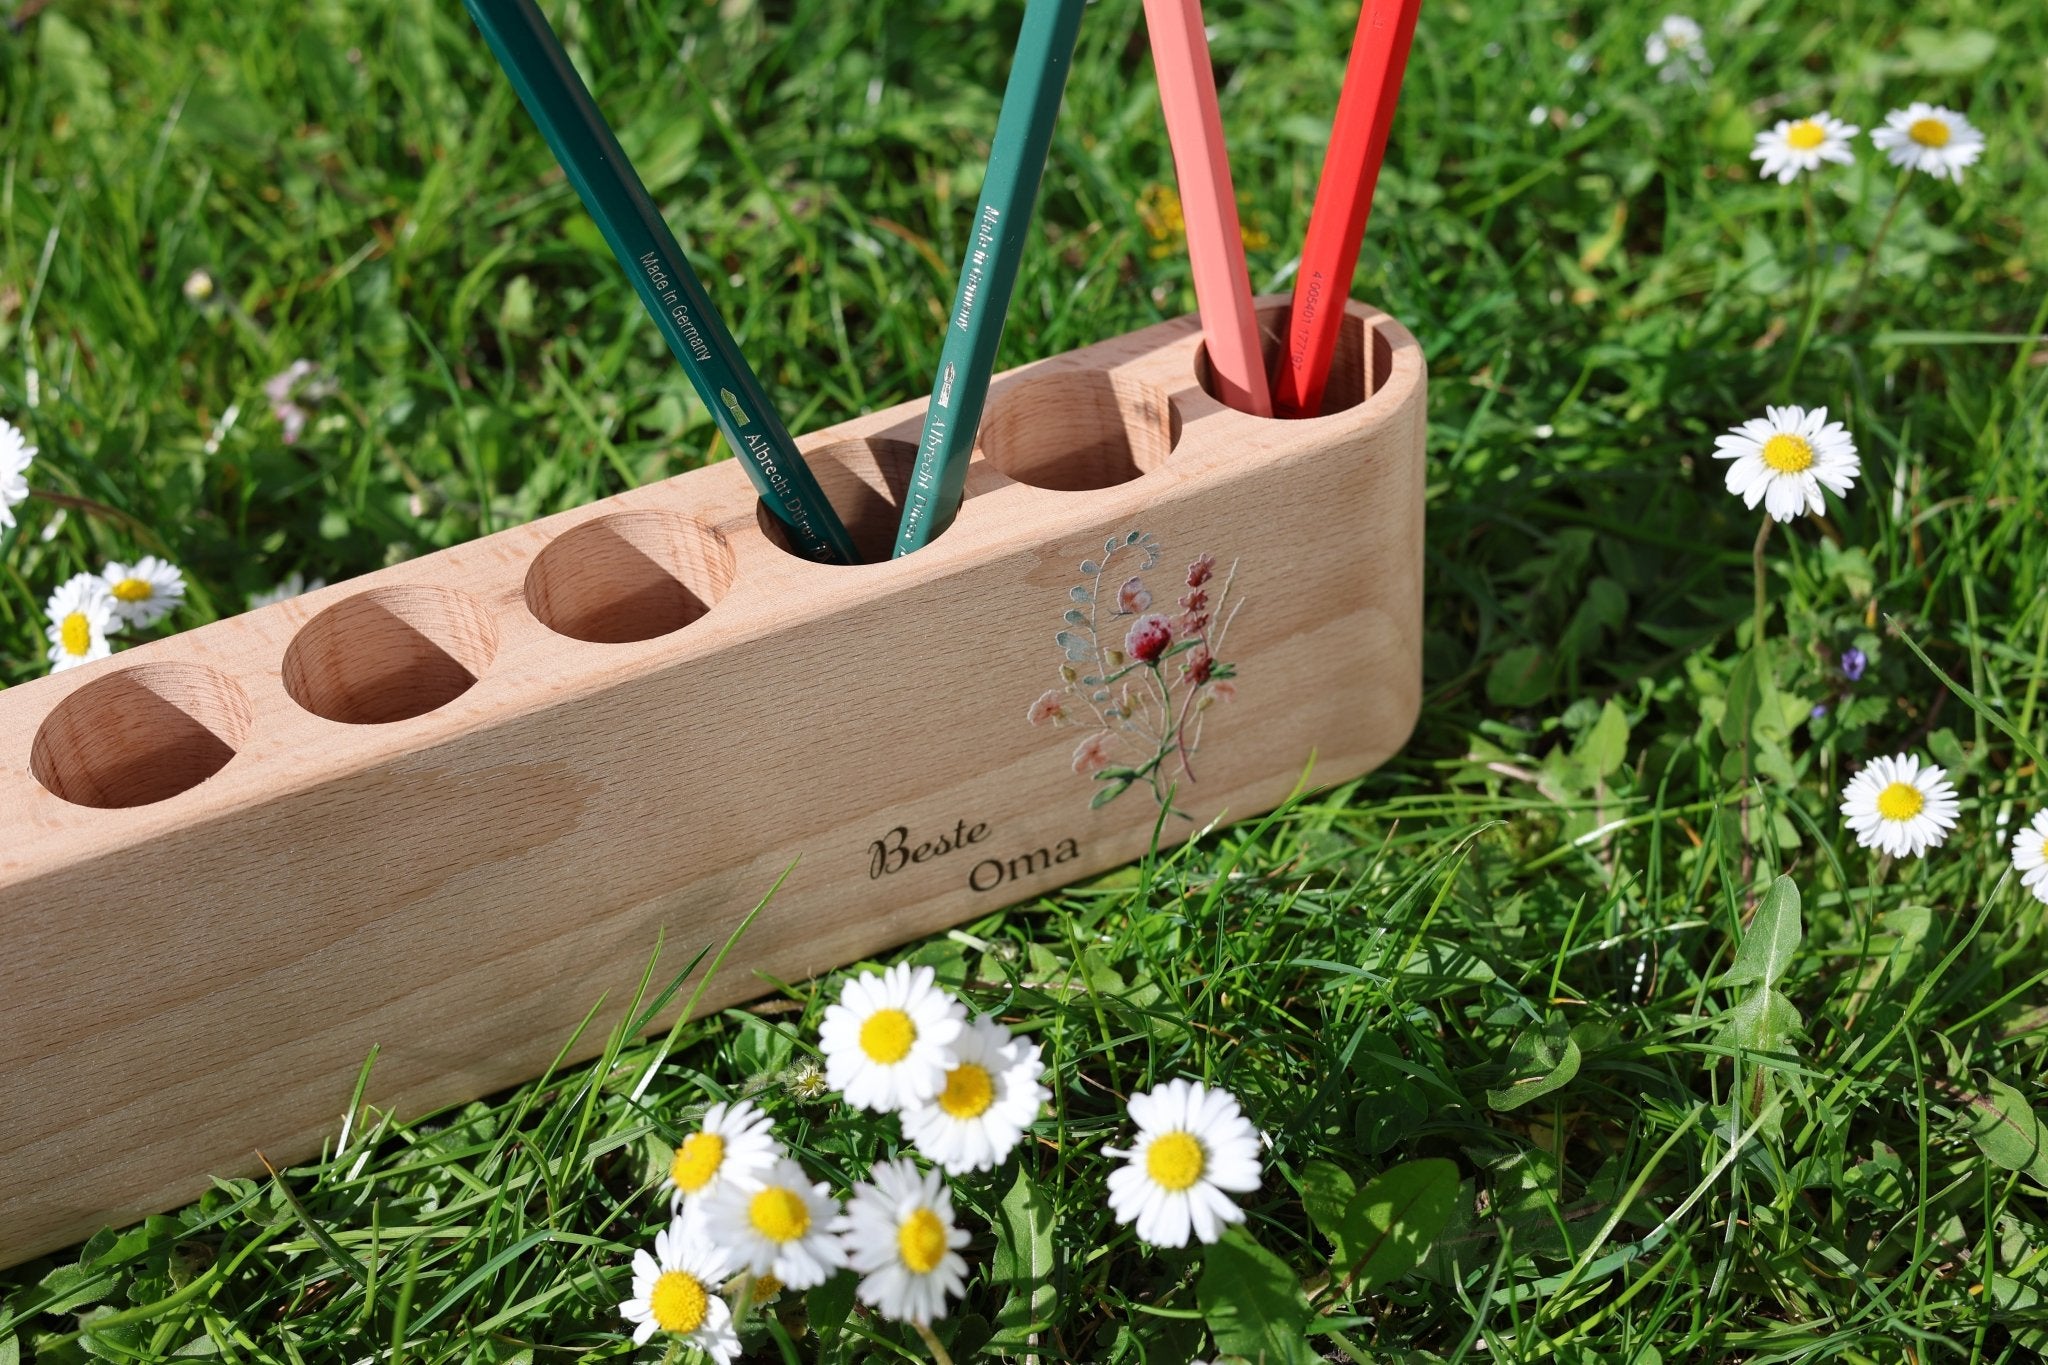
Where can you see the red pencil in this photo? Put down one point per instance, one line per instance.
(1336, 227)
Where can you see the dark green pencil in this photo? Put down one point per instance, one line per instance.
(1016, 161)
(610, 188)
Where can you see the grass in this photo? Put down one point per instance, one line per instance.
(1514, 948)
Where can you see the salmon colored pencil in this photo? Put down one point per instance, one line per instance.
(1336, 227)
(1194, 125)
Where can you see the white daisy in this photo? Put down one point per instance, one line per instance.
(780, 1227)
(990, 1097)
(81, 613)
(1927, 137)
(16, 454)
(1801, 144)
(888, 1042)
(1676, 47)
(675, 1290)
(1897, 805)
(145, 592)
(1193, 1144)
(900, 1238)
(734, 1145)
(1784, 459)
(291, 585)
(2030, 857)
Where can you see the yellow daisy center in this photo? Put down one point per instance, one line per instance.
(134, 590)
(1788, 454)
(1929, 132)
(969, 1091)
(1805, 135)
(697, 1161)
(766, 1287)
(678, 1302)
(921, 1240)
(1175, 1161)
(1900, 801)
(76, 633)
(2044, 848)
(887, 1035)
(779, 1214)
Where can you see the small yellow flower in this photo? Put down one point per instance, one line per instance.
(1160, 211)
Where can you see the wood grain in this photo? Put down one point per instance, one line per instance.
(440, 810)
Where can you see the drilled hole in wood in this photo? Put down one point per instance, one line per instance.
(1080, 430)
(141, 735)
(628, 576)
(389, 654)
(1350, 382)
(864, 480)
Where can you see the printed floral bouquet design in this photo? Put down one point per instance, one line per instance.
(1140, 680)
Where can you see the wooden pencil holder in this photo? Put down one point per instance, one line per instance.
(441, 809)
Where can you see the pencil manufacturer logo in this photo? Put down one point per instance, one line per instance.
(946, 388)
(732, 405)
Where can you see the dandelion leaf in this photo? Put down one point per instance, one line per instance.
(1765, 953)
(1024, 1263)
(1392, 1222)
(1253, 1303)
(2009, 1132)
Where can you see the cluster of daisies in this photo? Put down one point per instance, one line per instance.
(88, 609)
(1921, 137)
(1896, 805)
(747, 1220)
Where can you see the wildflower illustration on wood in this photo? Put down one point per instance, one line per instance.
(1140, 680)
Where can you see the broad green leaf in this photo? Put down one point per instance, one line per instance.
(1762, 1021)
(2008, 1130)
(1023, 1262)
(74, 1287)
(1605, 747)
(1394, 1219)
(1949, 51)
(829, 1305)
(1253, 1303)
(1910, 924)
(1773, 937)
(1326, 1191)
(74, 75)
(1541, 1061)
(1741, 702)
(1519, 677)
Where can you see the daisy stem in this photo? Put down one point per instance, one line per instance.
(743, 1303)
(939, 1356)
(1870, 261)
(1756, 633)
(1810, 306)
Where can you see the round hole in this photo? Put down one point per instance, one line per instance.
(629, 576)
(1080, 430)
(1350, 382)
(864, 480)
(141, 735)
(389, 654)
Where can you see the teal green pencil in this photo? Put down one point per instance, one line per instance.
(1016, 161)
(610, 188)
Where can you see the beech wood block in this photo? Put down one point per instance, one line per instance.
(441, 809)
